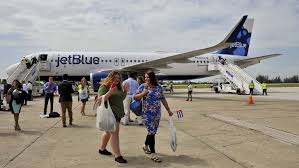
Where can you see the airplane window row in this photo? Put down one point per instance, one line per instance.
(125, 60)
(121, 60)
(134, 60)
(201, 61)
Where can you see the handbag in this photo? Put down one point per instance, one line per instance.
(173, 141)
(105, 120)
(136, 107)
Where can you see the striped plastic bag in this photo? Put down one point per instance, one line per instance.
(173, 140)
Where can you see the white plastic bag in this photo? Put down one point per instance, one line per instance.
(173, 142)
(105, 118)
(5, 103)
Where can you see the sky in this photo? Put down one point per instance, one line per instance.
(143, 26)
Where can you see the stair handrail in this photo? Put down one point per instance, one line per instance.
(10, 76)
(30, 70)
(249, 78)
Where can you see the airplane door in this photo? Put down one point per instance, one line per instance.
(116, 61)
(45, 65)
(123, 62)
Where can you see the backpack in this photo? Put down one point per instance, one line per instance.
(54, 115)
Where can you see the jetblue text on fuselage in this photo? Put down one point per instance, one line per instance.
(77, 59)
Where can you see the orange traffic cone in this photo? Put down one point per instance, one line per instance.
(250, 99)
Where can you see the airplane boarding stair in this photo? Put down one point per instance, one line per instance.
(237, 77)
(22, 73)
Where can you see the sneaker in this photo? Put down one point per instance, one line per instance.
(120, 159)
(104, 152)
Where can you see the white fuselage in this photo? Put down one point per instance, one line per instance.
(84, 63)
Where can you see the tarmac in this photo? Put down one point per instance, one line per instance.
(217, 130)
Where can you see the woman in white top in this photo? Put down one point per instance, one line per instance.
(83, 94)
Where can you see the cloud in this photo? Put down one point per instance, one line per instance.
(141, 25)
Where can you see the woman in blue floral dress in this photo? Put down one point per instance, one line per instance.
(152, 95)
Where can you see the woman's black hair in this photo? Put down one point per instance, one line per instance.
(153, 78)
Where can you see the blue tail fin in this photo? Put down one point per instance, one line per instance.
(241, 44)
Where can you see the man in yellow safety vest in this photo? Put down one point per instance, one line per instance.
(251, 87)
(264, 87)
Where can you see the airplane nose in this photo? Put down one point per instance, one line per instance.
(12, 68)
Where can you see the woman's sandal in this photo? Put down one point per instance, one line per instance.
(156, 159)
(146, 150)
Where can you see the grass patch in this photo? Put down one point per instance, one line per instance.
(283, 85)
(185, 86)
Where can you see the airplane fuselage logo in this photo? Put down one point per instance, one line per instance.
(238, 45)
(77, 59)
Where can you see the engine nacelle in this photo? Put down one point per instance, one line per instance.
(96, 78)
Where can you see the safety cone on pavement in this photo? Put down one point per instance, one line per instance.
(250, 99)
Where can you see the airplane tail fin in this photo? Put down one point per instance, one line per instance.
(240, 45)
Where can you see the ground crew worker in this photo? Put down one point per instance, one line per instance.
(190, 90)
(251, 87)
(264, 87)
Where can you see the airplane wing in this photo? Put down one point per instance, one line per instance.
(183, 57)
(252, 61)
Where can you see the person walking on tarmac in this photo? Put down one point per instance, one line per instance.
(190, 90)
(65, 91)
(133, 87)
(264, 87)
(49, 88)
(251, 87)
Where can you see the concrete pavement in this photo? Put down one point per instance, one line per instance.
(203, 141)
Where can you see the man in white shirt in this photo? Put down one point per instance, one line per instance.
(25, 89)
(190, 89)
(133, 86)
(29, 85)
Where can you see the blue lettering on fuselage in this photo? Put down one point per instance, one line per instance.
(76, 59)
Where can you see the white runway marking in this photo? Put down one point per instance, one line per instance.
(277, 134)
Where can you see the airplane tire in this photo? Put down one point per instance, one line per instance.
(216, 90)
(238, 91)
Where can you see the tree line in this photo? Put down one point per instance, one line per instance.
(265, 78)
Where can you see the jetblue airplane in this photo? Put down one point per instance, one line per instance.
(169, 66)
